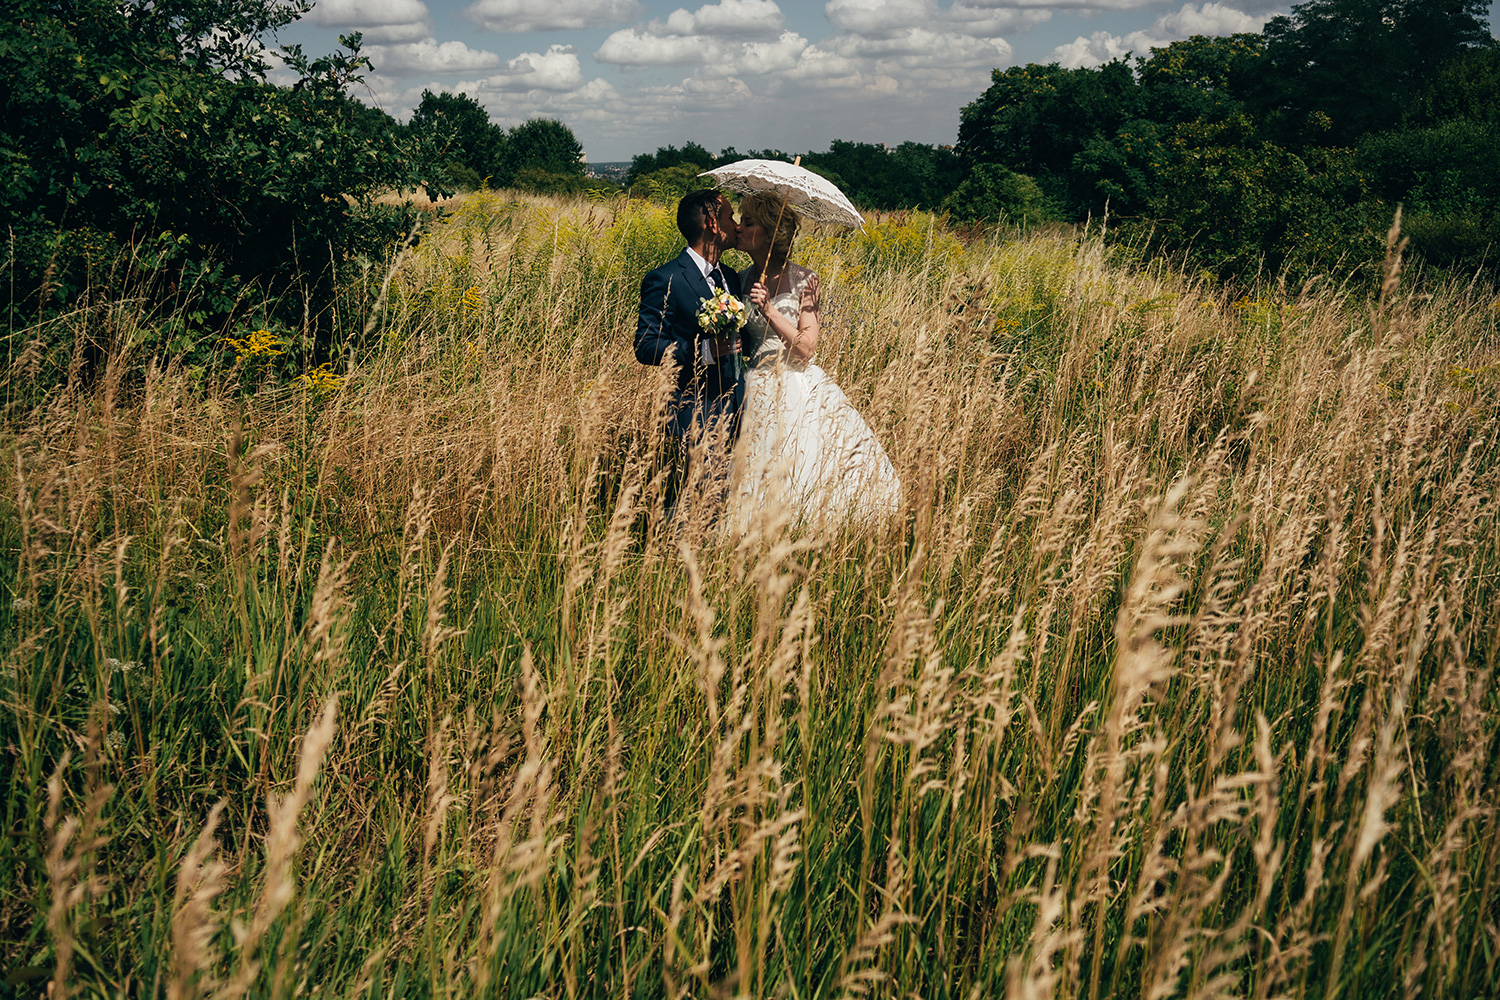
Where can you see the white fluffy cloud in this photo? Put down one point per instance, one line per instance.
(550, 15)
(729, 37)
(979, 18)
(632, 47)
(914, 47)
(429, 56)
(367, 13)
(976, 18)
(556, 70)
(1209, 19)
(874, 17)
(733, 18)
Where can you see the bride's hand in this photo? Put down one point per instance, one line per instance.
(758, 295)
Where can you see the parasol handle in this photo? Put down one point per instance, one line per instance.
(796, 162)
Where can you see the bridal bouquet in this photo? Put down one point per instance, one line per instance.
(721, 314)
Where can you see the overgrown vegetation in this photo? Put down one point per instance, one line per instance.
(149, 132)
(1175, 676)
(1278, 153)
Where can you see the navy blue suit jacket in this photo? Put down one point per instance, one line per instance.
(667, 333)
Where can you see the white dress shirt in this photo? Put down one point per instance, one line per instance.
(706, 269)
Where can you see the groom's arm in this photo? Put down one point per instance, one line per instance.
(655, 343)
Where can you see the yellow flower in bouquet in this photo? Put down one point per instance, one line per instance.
(720, 314)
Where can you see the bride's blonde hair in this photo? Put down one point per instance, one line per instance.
(762, 209)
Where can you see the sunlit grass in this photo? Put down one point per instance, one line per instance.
(389, 678)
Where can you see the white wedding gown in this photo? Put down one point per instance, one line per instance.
(801, 442)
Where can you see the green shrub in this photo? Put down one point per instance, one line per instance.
(994, 192)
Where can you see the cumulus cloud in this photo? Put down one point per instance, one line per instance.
(977, 18)
(731, 36)
(713, 34)
(915, 47)
(557, 70)
(877, 17)
(736, 18)
(1209, 19)
(367, 13)
(429, 56)
(980, 18)
(631, 47)
(550, 15)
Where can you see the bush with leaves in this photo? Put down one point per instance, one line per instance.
(539, 181)
(996, 193)
(133, 123)
(669, 183)
(541, 144)
(456, 133)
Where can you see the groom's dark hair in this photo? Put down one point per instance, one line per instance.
(694, 211)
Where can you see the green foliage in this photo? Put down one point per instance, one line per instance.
(542, 144)
(995, 192)
(1245, 206)
(455, 129)
(1037, 119)
(130, 122)
(1236, 150)
(463, 178)
(1467, 87)
(539, 181)
(669, 183)
(670, 156)
(1360, 63)
(910, 176)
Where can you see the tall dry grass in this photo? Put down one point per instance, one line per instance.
(1177, 677)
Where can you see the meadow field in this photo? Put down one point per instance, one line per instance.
(1177, 675)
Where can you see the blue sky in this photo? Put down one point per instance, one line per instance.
(631, 75)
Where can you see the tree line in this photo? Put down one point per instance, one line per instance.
(143, 146)
(1278, 153)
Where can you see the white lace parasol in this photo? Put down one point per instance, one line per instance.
(810, 196)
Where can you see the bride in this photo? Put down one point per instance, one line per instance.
(801, 441)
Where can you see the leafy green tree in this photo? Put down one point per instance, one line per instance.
(1242, 205)
(1350, 67)
(668, 183)
(670, 156)
(151, 125)
(1466, 87)
(542, 144)
(995, 192)
(1444, 174)
(456, 129)
(1198, 80)
(1035, 119)
(910, 175)
(1123, 172)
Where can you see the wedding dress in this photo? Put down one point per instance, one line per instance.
(801, 441)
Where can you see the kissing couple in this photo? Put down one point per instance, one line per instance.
(752, 423)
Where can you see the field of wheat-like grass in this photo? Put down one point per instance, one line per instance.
(1176, 677)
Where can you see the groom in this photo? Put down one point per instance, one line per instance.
(710, 384)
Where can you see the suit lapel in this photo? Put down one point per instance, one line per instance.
(697, 284)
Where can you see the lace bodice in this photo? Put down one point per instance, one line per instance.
(761, 341)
